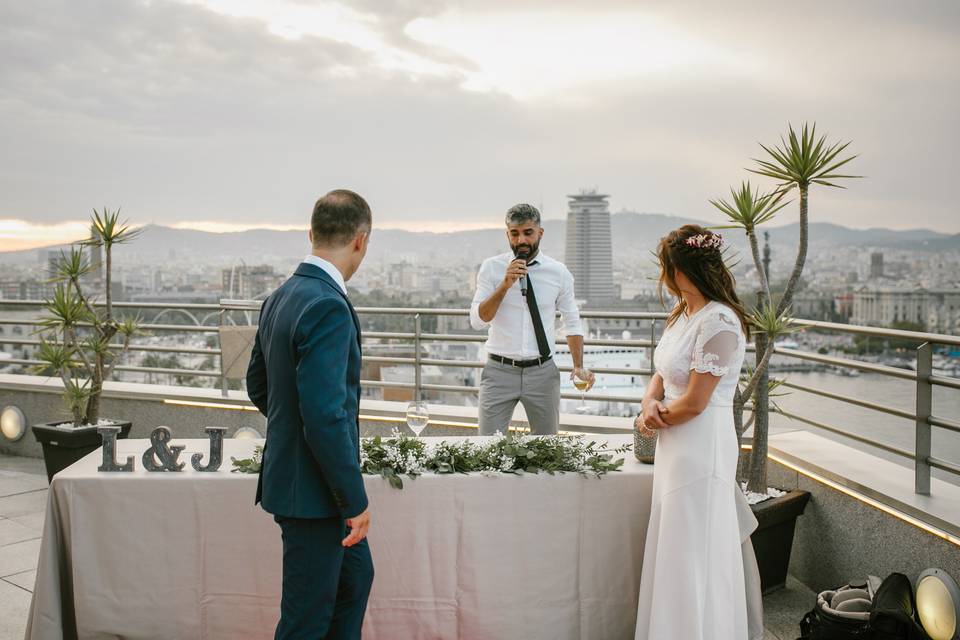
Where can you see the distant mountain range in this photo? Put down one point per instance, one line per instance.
(633, 233)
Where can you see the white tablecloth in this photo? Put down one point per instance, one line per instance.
(188, 555)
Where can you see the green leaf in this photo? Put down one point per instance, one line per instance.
(70, 266)
(129, 327)
(57, 356)
(766, 320)
(65, 310)
(750, 208)
(108, 230)
(802, 160)
(248, 465)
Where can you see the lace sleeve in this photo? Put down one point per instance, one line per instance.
(717, 344)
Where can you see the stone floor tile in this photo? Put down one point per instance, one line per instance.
(13, 484)
(24, 580)
(12, 531)
(19, 557)
(783, 610)
(23, 504)
(22, 464)
(32, 521)
(14, 606)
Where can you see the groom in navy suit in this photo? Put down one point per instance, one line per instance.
(304, 376)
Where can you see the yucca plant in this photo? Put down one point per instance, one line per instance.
(767, 326)
(747, 209)
(796, 164)
(77, 336)
(799, 162)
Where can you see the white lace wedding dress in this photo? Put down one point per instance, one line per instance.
(693, 585)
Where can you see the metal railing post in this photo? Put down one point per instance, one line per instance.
(653, 341)
(924, 410)
(417, 382)
(224, 384)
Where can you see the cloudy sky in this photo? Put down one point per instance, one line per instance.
(224, 114)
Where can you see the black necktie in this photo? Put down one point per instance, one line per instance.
(542, 345)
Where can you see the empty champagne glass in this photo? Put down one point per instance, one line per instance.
(417, 417)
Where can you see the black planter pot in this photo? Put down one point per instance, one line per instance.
(773, 539)
(62, 446)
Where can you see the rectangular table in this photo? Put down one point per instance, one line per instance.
(188, 555)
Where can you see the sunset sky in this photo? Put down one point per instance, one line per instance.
(232, 114)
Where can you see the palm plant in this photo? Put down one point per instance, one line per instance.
(76, 341)
(798, 162)
(747, 209)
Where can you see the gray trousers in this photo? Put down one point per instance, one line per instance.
(537, 388)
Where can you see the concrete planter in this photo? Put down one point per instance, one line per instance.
(773, 539)
(62, 446)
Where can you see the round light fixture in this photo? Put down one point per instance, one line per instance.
(247, 433)
(13, 424)
(938, 603)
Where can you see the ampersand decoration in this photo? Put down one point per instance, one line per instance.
(159, 450)
(216, 450)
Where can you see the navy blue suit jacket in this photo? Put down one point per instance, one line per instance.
(304, 376)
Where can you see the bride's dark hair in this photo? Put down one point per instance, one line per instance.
(696, 252)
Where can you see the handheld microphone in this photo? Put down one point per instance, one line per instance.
(522, 254)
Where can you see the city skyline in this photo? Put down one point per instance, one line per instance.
(259, 107)
(71, 233)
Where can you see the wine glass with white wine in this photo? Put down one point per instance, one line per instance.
(581, 384)
(417, 417)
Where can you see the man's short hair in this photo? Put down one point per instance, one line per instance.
(521, 213)
(338, 217)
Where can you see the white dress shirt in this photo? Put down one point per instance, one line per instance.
(511, 331)
(331, 270)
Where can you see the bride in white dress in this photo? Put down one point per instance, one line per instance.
(693, 585)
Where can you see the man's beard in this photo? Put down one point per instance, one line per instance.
(531, 249)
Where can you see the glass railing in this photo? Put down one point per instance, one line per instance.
(425, 362)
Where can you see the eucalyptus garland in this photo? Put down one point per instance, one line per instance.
(248, 465)
(402, 455)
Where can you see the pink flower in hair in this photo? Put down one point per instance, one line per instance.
(705, 241)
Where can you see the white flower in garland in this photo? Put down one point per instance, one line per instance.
(414, 464)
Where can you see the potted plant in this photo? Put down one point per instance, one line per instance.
(799, 162)
(77, 343)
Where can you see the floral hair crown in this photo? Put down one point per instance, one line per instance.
(705, 241)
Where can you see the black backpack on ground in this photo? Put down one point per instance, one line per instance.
(894, 613)
(868, 610)
(841, 614)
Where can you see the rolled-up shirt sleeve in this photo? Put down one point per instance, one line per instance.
(567, 306)
(485, 287)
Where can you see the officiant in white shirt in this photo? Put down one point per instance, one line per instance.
(518, 296)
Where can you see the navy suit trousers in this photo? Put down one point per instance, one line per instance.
(325, 585)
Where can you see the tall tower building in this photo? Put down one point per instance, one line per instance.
(50, 258)
(876, 265)
(589, 254)
(95, 279)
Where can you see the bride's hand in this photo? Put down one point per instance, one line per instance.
(641, 426)
(651, 417)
